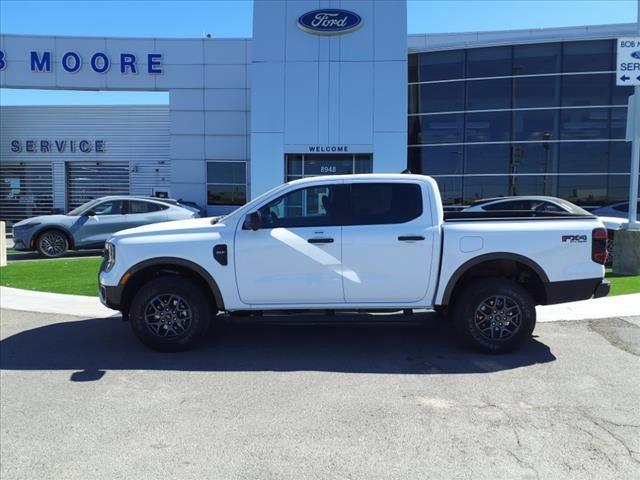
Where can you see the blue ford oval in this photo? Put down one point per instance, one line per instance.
(329, 21)
(636, 54)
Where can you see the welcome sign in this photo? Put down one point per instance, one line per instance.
(330, 21)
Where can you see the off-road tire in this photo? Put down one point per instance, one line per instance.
(181, 294)
(482, 325)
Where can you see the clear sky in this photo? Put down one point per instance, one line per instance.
(233, 18)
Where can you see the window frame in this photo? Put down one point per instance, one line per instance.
(227, 184)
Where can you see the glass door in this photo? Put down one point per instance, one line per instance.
(301, 165)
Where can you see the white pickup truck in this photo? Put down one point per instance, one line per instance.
(353, 243)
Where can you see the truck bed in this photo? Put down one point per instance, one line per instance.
(511, 215)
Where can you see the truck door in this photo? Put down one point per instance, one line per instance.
(296, 256)
(387, 243)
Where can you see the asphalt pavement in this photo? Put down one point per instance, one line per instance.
(81, 398)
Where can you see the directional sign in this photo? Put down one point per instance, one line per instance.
(628, 63)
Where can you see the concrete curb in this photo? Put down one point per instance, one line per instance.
(45, 302)
(81, 306)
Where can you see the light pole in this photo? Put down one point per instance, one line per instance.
(546, 136)
(635, 154)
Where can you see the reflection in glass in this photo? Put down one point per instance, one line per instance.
(488, 62)
(476, 188)
(445, 128)
(450, 190)
(539, 157)
(619, 157)
(492, 158)
(443, 65)
(585, 90)
(536, 58)
(534, 185)
(488, 126)
(441, 97)
(531, 92)
(436, 160)
(584, 123)
(536, 125)
(489, 94)
(583, 189)
(584, 157)
(587, 56)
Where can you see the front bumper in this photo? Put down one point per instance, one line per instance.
(110, 295)
(22, 240)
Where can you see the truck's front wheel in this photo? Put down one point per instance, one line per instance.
(170, 313)
(495, 315)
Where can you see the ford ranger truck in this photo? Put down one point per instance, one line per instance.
(354, 242)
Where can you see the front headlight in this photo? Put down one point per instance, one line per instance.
(109, 256)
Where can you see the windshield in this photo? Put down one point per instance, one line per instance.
(572, 207)
(249, 207)
(85, 206)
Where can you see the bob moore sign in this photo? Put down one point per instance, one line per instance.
(99, 62)
(329, 21)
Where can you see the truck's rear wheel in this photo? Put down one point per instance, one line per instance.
(170, 314)
(495, 315)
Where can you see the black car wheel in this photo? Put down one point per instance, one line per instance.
(495, 315)
(52, 244)
(170, 313)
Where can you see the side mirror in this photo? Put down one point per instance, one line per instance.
(89, 213)
(252, 221)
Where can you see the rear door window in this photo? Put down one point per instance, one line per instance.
(384, 203)
(139, 206)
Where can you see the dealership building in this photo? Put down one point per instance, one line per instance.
(322, 87)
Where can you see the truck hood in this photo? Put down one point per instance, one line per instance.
(169, 228)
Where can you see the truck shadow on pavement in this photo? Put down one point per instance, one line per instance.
(94, 346)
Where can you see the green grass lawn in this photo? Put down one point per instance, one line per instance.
(77, 276)
(623, 284)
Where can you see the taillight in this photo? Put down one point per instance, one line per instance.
(599, 245)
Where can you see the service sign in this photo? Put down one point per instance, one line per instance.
(329, 21)
(628, 63)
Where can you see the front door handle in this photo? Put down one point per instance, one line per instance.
(320, 240)
(410, 238)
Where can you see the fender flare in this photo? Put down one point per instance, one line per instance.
(469, 264)
(181, 262)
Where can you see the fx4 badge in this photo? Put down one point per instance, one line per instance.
(574, 238)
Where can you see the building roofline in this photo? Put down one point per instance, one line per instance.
(449, 41)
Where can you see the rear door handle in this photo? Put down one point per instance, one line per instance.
(410, 238)
(320, 240)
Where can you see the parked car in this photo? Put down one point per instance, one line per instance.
(354, 242)
(89, 225)
(549, 204)
(619, 210)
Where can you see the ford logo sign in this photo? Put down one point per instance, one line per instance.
(636, 54)
(330, 21)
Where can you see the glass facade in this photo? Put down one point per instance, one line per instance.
(535, 119)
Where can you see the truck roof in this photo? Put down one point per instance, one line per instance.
(364, 176)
